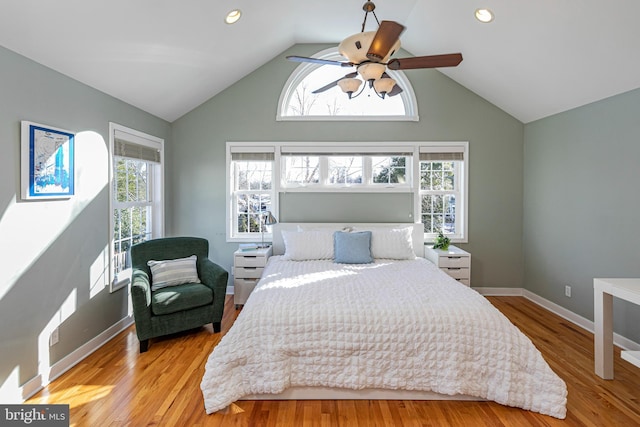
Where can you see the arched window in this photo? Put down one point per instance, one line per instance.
(297, 102)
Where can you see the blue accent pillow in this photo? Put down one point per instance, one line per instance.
(352, 248)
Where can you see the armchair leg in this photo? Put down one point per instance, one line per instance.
(216, 327)
(144, 346)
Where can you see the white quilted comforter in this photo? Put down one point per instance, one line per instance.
(391, 324)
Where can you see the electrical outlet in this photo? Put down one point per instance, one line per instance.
(567, 291)
(54, 337)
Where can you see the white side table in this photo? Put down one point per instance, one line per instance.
(454, 261)
(247, 270)
(603, 292)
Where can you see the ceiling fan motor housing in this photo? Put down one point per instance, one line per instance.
(355, 47)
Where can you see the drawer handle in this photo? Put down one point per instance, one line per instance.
(249, 268)
(454, 268)
(454, 257)
(249, 256)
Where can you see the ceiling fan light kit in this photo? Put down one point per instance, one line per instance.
(383, 86)
(370, 53)
(349, 85)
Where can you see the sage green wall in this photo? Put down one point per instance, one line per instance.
(52, 252)
(581, 204)
(246, 111)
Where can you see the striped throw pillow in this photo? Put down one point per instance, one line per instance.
(172, 272)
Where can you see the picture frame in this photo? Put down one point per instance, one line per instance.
(47, 169)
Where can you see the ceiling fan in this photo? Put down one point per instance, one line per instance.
(370, 52)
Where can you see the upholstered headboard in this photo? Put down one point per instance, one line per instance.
(278, 243)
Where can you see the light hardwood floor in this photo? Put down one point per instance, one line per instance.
(117, 386)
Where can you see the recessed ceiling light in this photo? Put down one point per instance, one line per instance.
(233, 16)
(484, 15)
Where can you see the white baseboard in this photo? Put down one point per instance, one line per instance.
(37, 383)
(569, 315)
(584, 323)
(500, 292)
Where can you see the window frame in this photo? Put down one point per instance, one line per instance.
(155, 189)
(411, 149)
(324, 183)
(408, 95)
(443, 193)
(367, 150)
(261, 193)
(461, 181)
(232, 234)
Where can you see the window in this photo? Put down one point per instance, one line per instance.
(251, 192)
(301, 170)
(442, 186)
(298, 102)
(136, 196)
(389, 169)
(435, 174)
(345, 169)
(365, 167)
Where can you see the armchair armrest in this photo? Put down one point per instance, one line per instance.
(141, 301)
(215, 277)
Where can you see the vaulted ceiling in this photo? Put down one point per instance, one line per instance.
(168, 56)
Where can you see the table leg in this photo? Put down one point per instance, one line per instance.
(603, 319)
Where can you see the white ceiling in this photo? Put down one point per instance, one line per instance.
(168, 56)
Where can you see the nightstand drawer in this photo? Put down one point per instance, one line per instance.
(242, 290)
(457, 273)
(248, 272)
(245, 282)
(454, 261)
(250, 261)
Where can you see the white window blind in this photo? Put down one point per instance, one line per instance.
(134, 147)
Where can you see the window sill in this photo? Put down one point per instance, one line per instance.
(121, 280)
(268, 238)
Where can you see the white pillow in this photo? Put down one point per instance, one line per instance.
(173, 272)
(307, 245)
(391, 242)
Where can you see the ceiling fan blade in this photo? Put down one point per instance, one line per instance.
(433, 61)
(335, 83)
(387, 35)
(318, 61)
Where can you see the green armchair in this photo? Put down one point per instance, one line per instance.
(177, 308)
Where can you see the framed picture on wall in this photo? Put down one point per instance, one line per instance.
(47, 162)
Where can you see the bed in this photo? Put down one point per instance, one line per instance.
(326, 322)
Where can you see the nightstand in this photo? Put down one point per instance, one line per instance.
(454, 261)
(247, 269)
